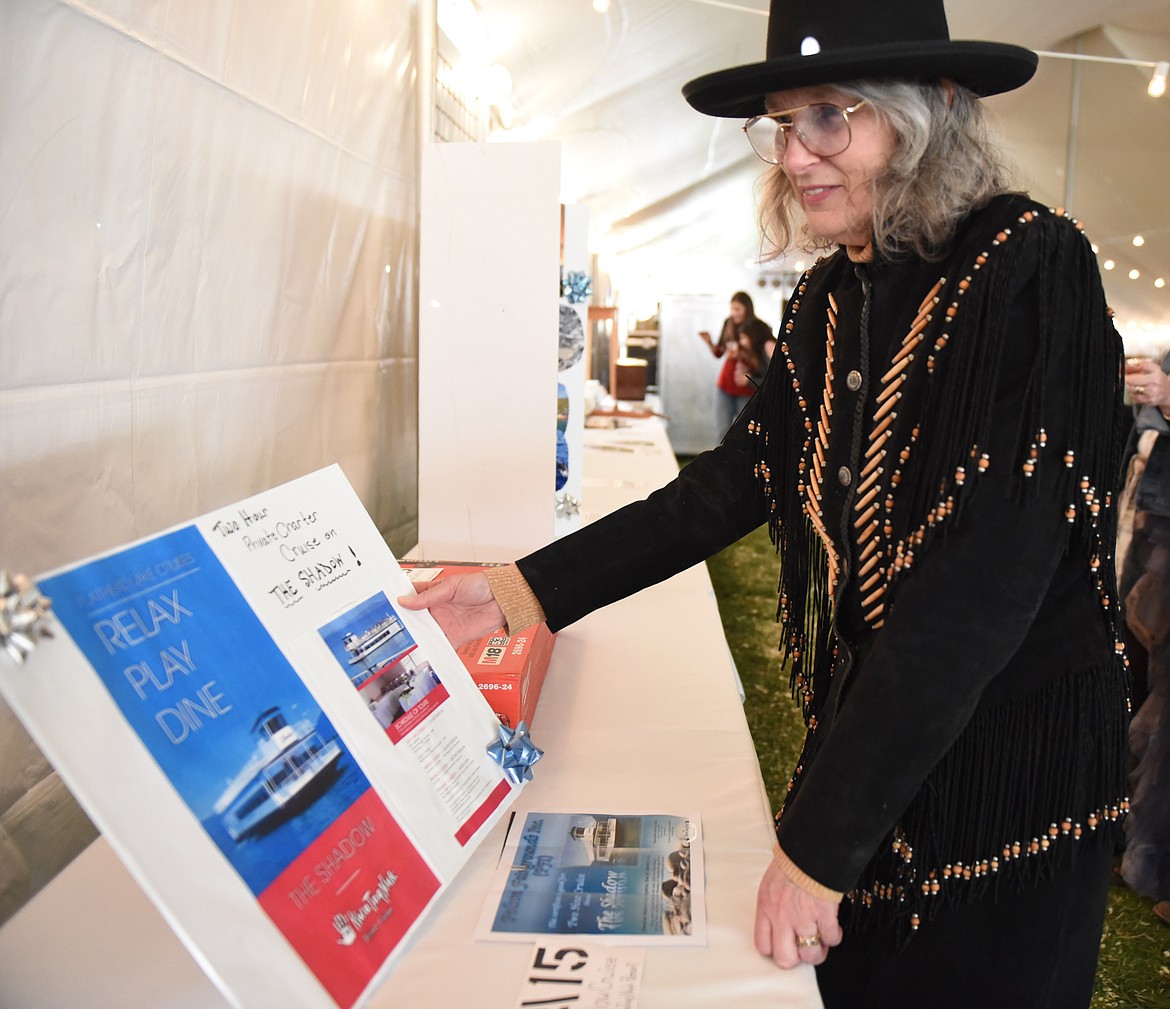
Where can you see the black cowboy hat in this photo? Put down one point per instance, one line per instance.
(833, 41)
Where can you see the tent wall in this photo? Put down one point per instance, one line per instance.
(207, 277)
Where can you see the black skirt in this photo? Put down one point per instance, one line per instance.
(1035, 946)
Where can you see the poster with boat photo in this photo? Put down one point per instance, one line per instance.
(237, 759)
(397, 682)
(626, 878)
(376, 651)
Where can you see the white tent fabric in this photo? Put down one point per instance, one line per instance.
(207, 276)
(671, 191)
(207, 287)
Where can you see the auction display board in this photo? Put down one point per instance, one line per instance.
(291, 765)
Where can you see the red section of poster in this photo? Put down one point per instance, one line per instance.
(479, 817)
(349, 898)
(417, 715)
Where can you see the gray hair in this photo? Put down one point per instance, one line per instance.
(942, 168)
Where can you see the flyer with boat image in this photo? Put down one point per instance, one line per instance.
(381, 659)
(402, 691)
(628, 877)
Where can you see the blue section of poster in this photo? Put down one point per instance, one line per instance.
(212, 697)
(599, 874)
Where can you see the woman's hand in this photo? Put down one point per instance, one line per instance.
(716, 348)
(463, 606)
(785, 913)
(1148, 385)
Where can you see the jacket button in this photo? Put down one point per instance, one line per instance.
(853, 380)
(845, 475)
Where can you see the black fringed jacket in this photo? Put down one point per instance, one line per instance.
(936, 450)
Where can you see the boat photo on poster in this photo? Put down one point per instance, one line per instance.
(247, 747)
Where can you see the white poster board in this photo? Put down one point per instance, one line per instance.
(290, 764)
(488, 292)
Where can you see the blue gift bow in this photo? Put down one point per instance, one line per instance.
(515, 752)
(576, 287)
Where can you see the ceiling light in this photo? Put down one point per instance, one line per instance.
(1109, 264)
(1157, 86)
(1096, 248)
(601, 6)
(460, 21)
(1138, 241)
(1159, 283)
(494, 84)
(1134, 274)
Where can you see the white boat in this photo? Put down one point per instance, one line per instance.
(290, 765)
(361, 645)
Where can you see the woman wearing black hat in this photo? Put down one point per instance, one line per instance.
(936, 450)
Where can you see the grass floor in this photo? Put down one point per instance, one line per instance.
(1134, 971)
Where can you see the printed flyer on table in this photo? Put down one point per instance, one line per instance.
(632, 878)
(328, 748)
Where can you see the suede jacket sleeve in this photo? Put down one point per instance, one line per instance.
(713, 502)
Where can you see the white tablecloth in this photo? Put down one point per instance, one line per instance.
(640, 712)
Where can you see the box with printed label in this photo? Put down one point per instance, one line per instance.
(509, 669)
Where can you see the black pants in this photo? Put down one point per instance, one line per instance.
(1032, 948)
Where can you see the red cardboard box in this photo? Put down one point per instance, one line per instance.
(509, 669)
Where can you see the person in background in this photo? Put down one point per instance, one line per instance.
(739, 376)
(936, 451)
(1145, 589)
(749, 368)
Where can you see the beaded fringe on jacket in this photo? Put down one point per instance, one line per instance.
(1011, 819)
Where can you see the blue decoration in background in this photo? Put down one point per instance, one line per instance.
(562, 461)
(562, 445)
(576, 286)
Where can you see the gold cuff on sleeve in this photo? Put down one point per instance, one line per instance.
(803, 881)
(515, 597)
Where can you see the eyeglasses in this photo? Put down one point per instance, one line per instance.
(823, 129)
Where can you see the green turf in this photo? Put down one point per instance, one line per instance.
(1134, 971)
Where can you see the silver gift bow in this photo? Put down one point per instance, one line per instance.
(24, 615)
(567, 505)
